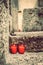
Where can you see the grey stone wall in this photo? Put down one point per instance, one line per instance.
(33, 19)
(17, 59)
(4, 32)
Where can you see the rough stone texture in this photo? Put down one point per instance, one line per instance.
(4, 32)
(33, 19)
(1, 37)
(28, 58)
(17, 59)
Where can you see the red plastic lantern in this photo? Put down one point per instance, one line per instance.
(13, 48)
(21, 48)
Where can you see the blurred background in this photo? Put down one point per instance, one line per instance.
(26, 16)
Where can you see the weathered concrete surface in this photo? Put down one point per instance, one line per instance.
(28, 58)
(17, 59)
